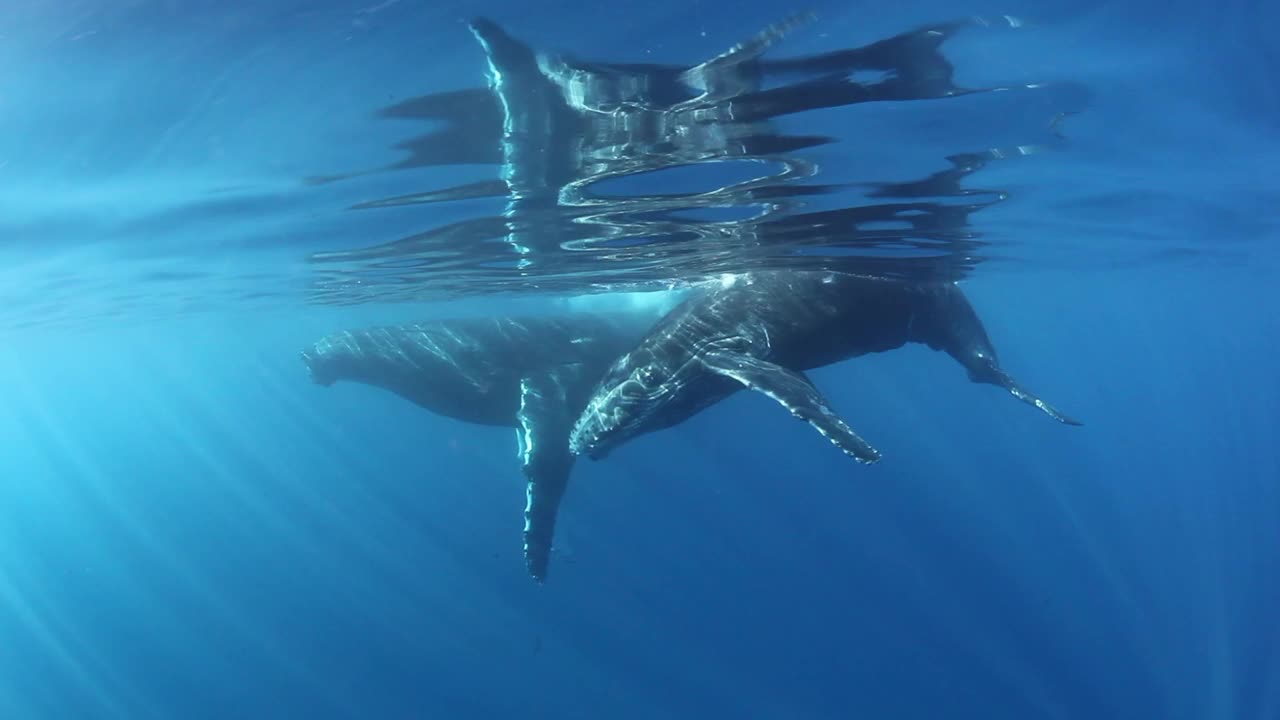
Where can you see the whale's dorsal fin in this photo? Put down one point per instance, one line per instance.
(543, 424)
(794, 392)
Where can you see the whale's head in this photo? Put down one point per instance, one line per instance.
(327, 360)
(318, 368)
(628, 401)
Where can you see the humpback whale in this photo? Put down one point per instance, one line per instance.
(532, 373)
(762, 331)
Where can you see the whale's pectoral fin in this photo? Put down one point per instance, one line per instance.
(543, 431)
(1001, 378)
(794, 392)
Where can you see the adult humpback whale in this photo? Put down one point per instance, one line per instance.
(532, 373)
(761, 331)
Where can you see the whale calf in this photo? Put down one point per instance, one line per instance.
(533, 373)
(762, 331)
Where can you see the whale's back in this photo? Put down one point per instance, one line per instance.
(471, 368)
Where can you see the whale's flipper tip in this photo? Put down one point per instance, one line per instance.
(1031, 399)
(481, 24)
(1066, 419)
(494, 39)
(794, 392)
(536, 561)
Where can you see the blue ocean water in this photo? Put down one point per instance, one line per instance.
(190, 528)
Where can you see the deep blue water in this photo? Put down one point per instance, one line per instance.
(190, 528)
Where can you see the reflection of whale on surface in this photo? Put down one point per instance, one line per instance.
(583, 147)
(552, 120)
(762, 331)
(532, 373)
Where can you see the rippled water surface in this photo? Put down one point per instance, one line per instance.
(160, 159)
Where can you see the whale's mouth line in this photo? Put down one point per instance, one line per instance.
(580, 441)
(597, 429)
(590, 428)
